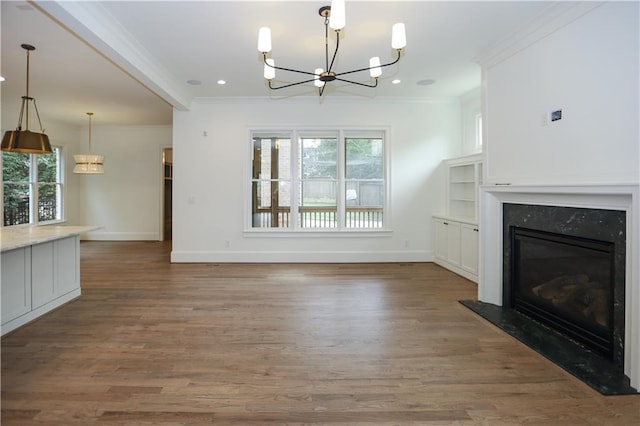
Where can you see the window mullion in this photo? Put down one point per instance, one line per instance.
(340, 183)
(33, 189)
(295, 179)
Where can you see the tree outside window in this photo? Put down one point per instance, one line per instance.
(32, 187)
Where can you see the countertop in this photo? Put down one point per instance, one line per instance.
(13, 237)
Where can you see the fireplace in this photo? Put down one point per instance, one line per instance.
(603, 374)
(566, 283)
(565, 267)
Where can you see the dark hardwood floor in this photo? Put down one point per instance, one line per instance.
(150, 342)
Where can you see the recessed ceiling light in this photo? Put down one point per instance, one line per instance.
(221, 82)
(1, 78)
(426, 82)
(194, 82)
(396, 81)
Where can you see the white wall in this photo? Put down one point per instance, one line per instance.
(126, 200)
(211, 176)
(471, 104)
(589, 69)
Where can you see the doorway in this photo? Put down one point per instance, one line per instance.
(167, 163)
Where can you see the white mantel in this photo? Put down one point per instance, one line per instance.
(610, 197)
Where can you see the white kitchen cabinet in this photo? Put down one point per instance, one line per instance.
(16, 283)
(38, 278)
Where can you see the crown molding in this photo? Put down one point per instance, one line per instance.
(556, 16)
(93, 24)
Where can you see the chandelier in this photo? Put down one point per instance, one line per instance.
(334, 18)
(26, 141)
(89, 163)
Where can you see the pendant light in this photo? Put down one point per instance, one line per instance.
(26, 141)
(89, 163)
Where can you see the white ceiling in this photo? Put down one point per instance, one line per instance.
(87, 52)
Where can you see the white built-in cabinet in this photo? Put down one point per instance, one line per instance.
(456, 231)
(38, 278)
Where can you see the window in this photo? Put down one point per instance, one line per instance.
(318, 180)
(479, 131)
(32, 187)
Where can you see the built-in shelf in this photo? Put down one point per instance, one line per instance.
(456, 230)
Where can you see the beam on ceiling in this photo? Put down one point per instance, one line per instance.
(93, 24)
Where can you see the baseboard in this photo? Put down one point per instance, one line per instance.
(227, 256)
(121, 236)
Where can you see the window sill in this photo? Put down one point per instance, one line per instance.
(315, 233)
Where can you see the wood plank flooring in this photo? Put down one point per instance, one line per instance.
(151, 342)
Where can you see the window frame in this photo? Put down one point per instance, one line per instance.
(33, 184)
(295, 134)
(479, 136)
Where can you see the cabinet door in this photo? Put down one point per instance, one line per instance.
(440, 229)
(43, 283)
(16, 283)
(469, 248)
(68, 266)
(453, 242)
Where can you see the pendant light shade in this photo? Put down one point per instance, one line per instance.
(26, 141)
(89, 163)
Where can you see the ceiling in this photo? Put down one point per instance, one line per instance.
(129, 62)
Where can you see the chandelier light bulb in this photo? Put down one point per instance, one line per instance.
(337, 18)
(374, 67)
(316, 80)
(269, 70)
(264, 40)
(398, 36)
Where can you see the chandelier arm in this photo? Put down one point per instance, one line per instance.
(359, 84)
(369, 68)
(289, 85)
(335, 52)
(287, 69)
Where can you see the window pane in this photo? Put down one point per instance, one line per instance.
(364, 159)
(271, 204)
(271, 184)
(364, 204)
(48, 196)
(319, 158)
(48, 167)
(16, 203)
(318, 204)
(272, 158)
(364, 189)
(15, 167)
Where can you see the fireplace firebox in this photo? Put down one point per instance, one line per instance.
(565, 282)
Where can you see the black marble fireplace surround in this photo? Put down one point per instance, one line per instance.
(606, 226)
(602, 370)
